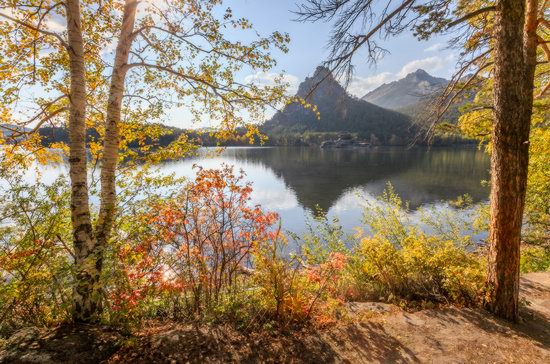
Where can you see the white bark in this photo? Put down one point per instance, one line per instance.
(86, 293)
(112, 121)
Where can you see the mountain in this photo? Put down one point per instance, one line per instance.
(416, 95)
(339, 112)
(407, 92)
(11, 132)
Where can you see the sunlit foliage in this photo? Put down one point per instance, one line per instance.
(199, 250)
(183, 55)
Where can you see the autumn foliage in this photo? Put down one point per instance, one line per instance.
(199, 250)
(196, 246)
(207, 253)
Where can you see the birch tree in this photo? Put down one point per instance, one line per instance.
(44, 45)
(180, 47)
(173, 53)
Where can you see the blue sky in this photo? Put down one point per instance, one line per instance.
(308, 49)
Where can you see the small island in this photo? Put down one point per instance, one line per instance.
(345, 140)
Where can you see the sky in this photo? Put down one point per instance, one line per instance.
(308, 49)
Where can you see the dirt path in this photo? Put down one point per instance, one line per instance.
(388, 335)
(453, 335)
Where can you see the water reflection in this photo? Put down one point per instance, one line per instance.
(293, 181)
(421, 176)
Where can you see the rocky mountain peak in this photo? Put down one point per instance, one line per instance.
(322, 71)
(339, 112)
(407, 91)
(421, 73)
(320, 85)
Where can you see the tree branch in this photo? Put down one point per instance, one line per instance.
(543, 91)
(373, 31)
(213, 87)
(37, 29)
(471, 15)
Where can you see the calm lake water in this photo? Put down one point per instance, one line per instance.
(293, 181)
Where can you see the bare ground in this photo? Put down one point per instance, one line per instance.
(379, 333)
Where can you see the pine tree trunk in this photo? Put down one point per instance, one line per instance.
(513, 95)
(86, 293)
(112, 121)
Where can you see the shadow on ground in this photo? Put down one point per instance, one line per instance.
(377, 333)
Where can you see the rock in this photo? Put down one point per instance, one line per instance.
(374, 307)
(344, 141)
(327, 144)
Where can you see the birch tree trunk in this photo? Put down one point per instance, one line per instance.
(86, 293)
(515, 62)
(112, 121)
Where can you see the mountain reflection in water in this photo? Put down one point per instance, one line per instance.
(293, 181)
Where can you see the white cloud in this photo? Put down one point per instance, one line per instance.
(54, 23)
(435, 47)
(359, 86)
(270, 79)
(57, 24)
(430, 65)
(274, 199)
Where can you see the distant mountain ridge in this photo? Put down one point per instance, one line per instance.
(414, 88)
(418, 94)
(340, 112)
(12, 132)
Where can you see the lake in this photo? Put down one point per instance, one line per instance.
(294, 181)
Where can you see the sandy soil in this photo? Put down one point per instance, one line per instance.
(379, 333)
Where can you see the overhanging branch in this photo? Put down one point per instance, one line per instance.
(37, 29)
(471, 15)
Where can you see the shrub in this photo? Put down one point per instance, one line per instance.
(402, 262)
(534, 259)
(35, 261)
(294, 293)
(398, 261)
(206, 253)
(201, 251)
(422, 268)
(279, 282)
(192, 252)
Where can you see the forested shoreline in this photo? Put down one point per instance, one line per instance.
(52, 135)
